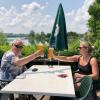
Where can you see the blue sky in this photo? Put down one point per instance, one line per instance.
(21, 16)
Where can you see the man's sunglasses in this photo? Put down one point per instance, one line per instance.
(82, 47)
(18, 46)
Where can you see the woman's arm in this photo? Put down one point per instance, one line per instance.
(67, 59)
(95, 69)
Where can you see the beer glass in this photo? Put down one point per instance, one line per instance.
(50, 56)
(50, 53)
(40, 46)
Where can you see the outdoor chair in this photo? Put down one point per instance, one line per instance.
(83, 93)
(85, 90)
(4, 82)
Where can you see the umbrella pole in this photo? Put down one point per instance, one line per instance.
(58, 60)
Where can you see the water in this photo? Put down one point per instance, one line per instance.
(11, 39)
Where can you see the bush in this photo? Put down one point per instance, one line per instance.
(27, 50)
(96, 51)
(3, 49)
(72, 50)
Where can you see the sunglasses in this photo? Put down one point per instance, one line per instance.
(82, 47)
(18, 46)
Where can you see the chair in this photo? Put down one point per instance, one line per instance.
(4, 82)
(85, 90)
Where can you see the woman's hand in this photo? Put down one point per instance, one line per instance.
(78, 76)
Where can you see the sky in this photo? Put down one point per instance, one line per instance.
(21, 16)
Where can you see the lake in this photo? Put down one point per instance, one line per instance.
(11, 39)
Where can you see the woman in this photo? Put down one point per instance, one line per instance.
(87, 64)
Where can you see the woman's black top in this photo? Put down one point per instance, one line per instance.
(85, 70)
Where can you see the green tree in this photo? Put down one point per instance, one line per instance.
(47, 38)
(38, 37)
(72, 36)
(42, 35)
(94, 26)
(88, 36)
(3, 39)
(31, 37)
(94, 21)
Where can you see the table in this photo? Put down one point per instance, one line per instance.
(45, 81)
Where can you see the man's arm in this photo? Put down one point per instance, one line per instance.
(25, 60)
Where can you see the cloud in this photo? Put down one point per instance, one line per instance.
(76, 20)
(31, 17)
(28, 17)
(33, 6)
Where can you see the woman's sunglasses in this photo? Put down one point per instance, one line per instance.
(18, 46)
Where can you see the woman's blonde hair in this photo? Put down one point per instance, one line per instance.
(87, 44)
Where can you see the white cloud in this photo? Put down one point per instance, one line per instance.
(76, 20)
(29, 17)
(33, 6)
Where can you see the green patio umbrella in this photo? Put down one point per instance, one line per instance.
(58, 39)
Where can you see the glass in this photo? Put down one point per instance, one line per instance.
(50, 53)
(50, 56)
(40, 46)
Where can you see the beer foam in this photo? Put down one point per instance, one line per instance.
(40, 43)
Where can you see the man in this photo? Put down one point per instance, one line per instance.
(12, 64)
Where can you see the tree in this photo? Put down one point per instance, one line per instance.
(42, 37)
(3, 39)
(72, 36)
(94, 21)
(88, 36)
(31, 37)
(47, 38)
